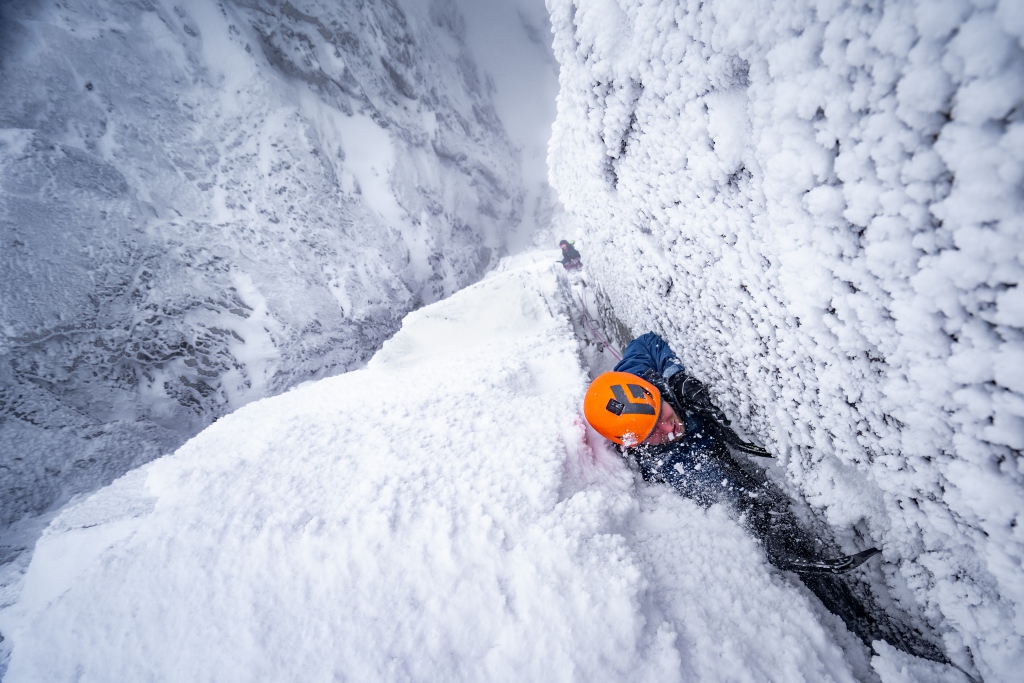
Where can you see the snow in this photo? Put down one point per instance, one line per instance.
(819, 205)
(206, 202)
(440, 514)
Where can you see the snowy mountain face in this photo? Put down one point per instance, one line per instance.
(208, 201)
(820, 206)
(438, 515)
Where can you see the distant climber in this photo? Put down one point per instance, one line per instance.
(664, 419)
(571, 258)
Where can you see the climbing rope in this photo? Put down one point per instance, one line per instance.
(590, 324)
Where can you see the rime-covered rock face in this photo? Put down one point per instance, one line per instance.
(205, 202)
(819, 205)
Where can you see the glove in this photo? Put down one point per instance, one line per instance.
(692, 394)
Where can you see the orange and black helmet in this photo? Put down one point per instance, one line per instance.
(622, 408)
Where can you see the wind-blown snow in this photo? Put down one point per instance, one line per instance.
(820, 205)
(437, 515)
(205, 202)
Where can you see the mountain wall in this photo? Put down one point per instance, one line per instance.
(819, 204)
(203, 202)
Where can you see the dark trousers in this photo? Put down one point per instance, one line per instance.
(701, 468)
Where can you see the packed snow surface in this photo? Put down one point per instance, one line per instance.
(820, 205)
(437, 515)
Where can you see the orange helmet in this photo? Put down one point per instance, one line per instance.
(622, 408)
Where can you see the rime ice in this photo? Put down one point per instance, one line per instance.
(819, 205)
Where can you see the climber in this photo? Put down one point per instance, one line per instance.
(571, 258)
(662, 417)
(665, 420)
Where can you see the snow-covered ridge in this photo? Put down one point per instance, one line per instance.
(435, 516)
(205, 202)
(820, 205)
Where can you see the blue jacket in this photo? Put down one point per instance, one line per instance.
(649, 352)
(691, 464)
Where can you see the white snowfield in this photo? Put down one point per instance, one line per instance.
(440, 515)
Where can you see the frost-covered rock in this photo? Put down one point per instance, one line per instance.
(820, 205)
(207, 201)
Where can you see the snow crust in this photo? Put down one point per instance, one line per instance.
(436, 515)
(820, 205)
(204, 202)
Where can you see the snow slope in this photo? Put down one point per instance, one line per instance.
(436, 515)
(820, 205)
(204, 202)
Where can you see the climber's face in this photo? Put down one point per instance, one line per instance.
(669, 427)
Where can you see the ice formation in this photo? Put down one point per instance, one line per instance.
(819, 204)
